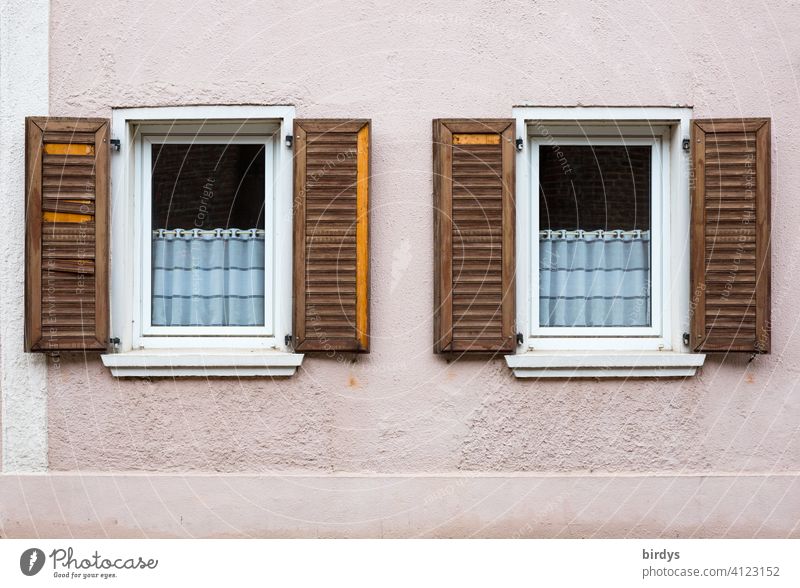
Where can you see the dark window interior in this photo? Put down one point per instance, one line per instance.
(594, 187)
(208, 186)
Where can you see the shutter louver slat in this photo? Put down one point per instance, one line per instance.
(331, 241)
(731, 235)
(66, 265)
(473, 166)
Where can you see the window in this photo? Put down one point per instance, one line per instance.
(603, 260)
(201, 241)
(207, 266)
(598, 215)
(206, 232)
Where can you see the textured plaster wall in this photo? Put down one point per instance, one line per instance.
(401, 409)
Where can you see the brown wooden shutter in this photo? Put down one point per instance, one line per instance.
(331, 235)
(66, 246)
(473, 185)
(731, 235)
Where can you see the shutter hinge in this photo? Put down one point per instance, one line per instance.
(114, 343)
(519, 144)
(287, 340)
(686, 339)
(520, 339)
(115, 144)
(686, 144)
(289, 141)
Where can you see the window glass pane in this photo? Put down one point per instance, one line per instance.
(208, 235)
(594, 236)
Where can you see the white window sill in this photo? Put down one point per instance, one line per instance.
(171, 363)
(619, 364)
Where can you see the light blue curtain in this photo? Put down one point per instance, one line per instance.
(208, 278)
(594, 279)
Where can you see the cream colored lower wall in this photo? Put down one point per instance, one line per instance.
(299, 505)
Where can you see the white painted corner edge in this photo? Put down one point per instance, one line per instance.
(24, 91)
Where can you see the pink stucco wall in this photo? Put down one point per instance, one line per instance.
(401, 409)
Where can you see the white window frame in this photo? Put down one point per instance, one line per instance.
(129, 288)
(194, 135)
(671, 126)
(659, 190)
